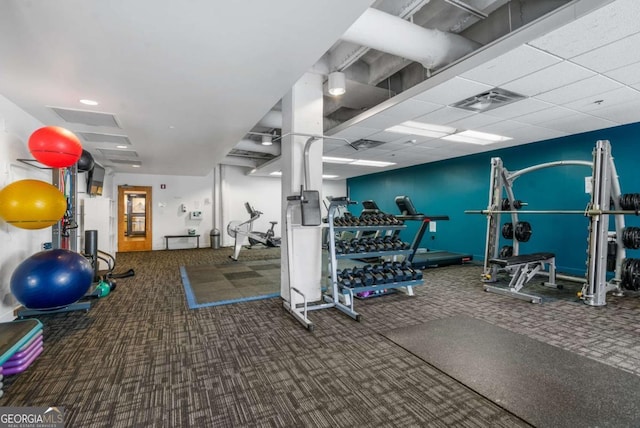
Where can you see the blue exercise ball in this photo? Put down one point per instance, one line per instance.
(51, 279)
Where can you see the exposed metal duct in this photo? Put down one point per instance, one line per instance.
(388, 33)
(273, 119)
(254, 146)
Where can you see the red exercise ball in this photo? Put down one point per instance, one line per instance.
(55, 146)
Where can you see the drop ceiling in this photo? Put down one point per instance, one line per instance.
(185, 84)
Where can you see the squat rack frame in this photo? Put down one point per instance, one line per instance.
(605, 188)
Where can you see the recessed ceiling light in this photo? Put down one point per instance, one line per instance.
(329, 176)
(135, 166)
(412, 127)
(379, 164)
(475, 137)
(276, 173)
(329, 159)
(88, 102)
(122, 147)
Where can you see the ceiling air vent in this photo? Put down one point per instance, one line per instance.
(126, 162)
(250, 155)
(84, 117)
(489, 100)
(94, 137)
(366, 144)
(121, 153)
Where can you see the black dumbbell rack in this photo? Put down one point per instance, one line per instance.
(374, 279)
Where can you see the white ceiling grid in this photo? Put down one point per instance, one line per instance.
(581, 77)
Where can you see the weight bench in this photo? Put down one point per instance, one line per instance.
(522, 269)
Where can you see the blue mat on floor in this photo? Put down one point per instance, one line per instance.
(209, 285)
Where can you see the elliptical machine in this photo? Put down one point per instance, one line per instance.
(241, 230)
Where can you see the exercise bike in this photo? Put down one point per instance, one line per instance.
(241, 230)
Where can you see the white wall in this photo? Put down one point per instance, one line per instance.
(16, 244)
(196, 193)
(263, 193)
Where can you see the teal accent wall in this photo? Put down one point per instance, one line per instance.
(452, 186)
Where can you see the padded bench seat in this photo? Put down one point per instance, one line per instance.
(522, 269)
(521, 259)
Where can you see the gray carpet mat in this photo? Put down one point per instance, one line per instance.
(540, 383)
(233, 282)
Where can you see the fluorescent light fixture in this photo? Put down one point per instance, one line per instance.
(329, 159)
(135, 166)
(412, 127)
(122, 147)
(88, 102)
(337, 83)
(267, 140)
(362, 162)
(279, 174)
(475, 137)
(380, 164)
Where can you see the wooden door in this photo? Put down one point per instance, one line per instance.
(134, 218)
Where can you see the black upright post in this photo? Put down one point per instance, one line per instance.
(91, 249)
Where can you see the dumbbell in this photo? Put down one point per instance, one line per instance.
(377, 276)
(365, 275)
(415, 273)
(387, 276)
(350, 280)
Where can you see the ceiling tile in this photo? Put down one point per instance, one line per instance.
(388, 137)
(530, 134)
(576, 123)
(410, 109)
(553, 77)
(519, 108)
(473, 122)
(544, 115)
(353, 133)
(629, 74)
(505, 127)
(445, 115)
(341, 152)
(514, 64)
(605, 100)
(612, 56)
(379, 122)
(578, 90)
(452, 91)
(620, 113)
(431, 144)
(612, 22)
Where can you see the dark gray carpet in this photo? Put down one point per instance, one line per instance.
(543, 384)
(142, 358)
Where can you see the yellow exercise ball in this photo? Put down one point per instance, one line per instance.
(31, 204)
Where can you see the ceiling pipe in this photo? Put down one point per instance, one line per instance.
(254, 146)
(388, 33)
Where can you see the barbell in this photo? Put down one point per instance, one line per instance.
(587, 212)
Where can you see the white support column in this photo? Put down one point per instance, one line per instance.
(302, 113)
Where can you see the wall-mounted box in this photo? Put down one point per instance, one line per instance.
(195, 215)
